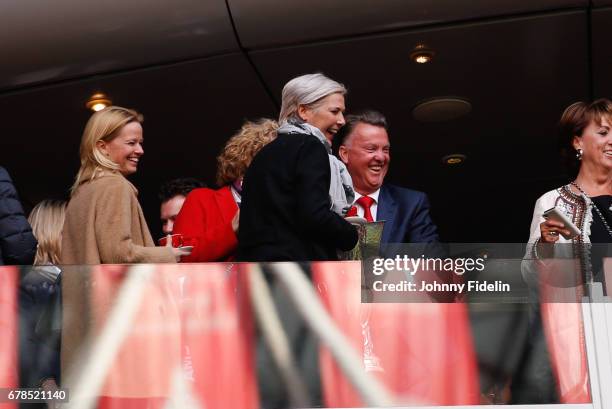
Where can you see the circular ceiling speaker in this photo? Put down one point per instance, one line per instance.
(441, 109)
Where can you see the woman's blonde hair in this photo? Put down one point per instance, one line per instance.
(47, 221)
(240, 150)
(104, 126)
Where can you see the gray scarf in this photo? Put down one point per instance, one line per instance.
(341, 193)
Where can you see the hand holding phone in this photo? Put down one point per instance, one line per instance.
(558, 216)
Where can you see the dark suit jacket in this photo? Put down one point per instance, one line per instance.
(206, 217)
(17, 243)
(406, 216)
(285, 213)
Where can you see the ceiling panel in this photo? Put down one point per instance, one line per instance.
(50, 41)
(263, 23)
(519, 75)
(602, 52)
(190, 110)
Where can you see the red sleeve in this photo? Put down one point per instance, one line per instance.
(201, 219)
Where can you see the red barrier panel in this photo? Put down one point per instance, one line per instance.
(142, 370)
(8, 330)
(422, 352)
(192, 317)
(564, 328)
(198, 317)
(219, 334)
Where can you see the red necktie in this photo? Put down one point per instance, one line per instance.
(366, 202)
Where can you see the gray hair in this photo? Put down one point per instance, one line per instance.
(306, 90)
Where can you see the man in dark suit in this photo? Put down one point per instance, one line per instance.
(365, 149)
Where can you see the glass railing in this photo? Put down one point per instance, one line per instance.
(459, 325)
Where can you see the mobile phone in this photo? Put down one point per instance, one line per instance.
(557, 215)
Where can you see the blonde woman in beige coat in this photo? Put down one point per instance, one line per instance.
(104, 223)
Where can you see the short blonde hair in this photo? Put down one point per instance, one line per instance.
(104, 126)
(306, 90)
(240, 150)
(47, 221)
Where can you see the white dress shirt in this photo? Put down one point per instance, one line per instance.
(373, 208)
(237, 196)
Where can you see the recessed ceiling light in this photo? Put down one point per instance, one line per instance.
(441, 109)
(98, 102)
(421, 54)
(454, 159)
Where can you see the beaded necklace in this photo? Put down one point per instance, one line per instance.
(601, 216)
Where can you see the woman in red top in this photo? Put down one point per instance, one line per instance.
(210, 217)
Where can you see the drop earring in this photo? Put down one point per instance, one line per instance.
(579, 154)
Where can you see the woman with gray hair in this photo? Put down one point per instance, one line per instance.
(314, 103)
(295, 192)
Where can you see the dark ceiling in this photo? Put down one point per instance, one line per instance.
(197, 71)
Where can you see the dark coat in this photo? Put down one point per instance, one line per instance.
(17, 243)
(285, 213)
